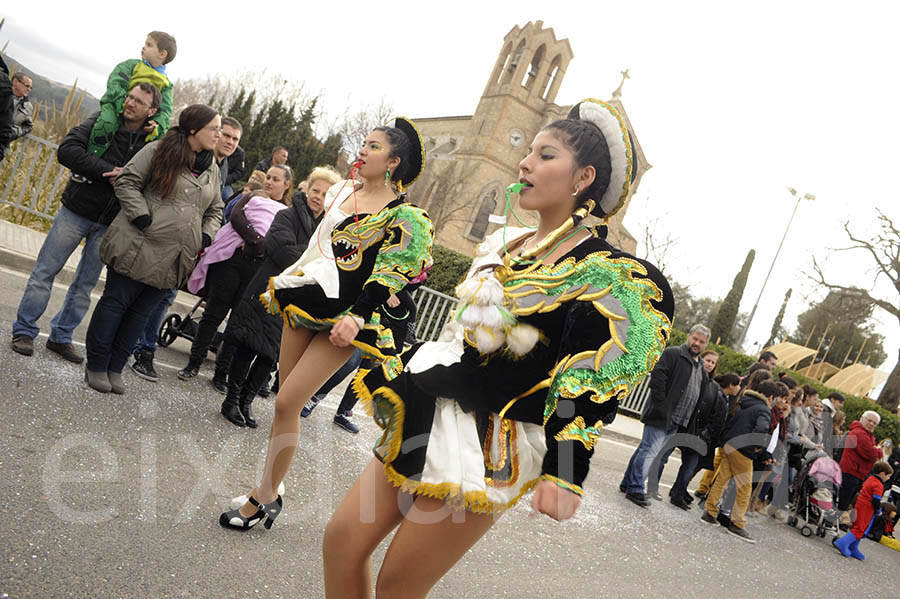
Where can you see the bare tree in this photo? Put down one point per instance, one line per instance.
(446, 195)
(357, 124)
(884, 250)
(658, 244)
(219, 90)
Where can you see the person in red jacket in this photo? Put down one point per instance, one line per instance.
(867, 507)
(860, 453)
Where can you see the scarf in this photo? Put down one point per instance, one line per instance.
(778, 420)
(202, 161)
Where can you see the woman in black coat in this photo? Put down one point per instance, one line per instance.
(254, 332)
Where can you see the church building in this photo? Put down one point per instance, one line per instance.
(472, 159)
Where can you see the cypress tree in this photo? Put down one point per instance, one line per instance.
(724, 323)
(776, 326)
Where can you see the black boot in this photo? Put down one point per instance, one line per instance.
(191, 370)
(220, 379)
(231, 411)
(245, 402)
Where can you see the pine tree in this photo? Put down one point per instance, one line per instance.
(776, 326)
(724, 324)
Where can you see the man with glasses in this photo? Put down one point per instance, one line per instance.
(89, 204)
(23, 109)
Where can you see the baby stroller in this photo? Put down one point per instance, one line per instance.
(174, 326)
(814, 493)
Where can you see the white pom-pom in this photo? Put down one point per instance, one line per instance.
(488, 340)
(490, 293)
(492, 317)
(465, 291)
(522, 338)
(472, 316)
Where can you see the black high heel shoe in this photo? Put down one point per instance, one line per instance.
(269, 511)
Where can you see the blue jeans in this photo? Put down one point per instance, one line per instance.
(638, 468)
(150, 334)
(689, 461)
(117, 321)
(64, 236)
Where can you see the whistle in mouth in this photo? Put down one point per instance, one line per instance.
(517, 187)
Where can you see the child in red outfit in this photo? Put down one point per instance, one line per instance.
(868, 505)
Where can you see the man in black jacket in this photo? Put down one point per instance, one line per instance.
(89, 204)
(746, 435)
(676, 383)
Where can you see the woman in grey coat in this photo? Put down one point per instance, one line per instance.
(171, 208)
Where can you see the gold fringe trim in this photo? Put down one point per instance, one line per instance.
(450, 493)
(564, 484)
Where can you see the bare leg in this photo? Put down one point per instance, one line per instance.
(318, 361)
(426, 547)
(366, 515)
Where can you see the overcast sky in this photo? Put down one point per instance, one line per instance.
(731, 104)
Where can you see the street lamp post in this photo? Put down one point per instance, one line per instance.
(807, 196)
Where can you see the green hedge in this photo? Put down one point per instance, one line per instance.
(732, 361)
(449, 269)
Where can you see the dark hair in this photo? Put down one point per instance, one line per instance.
(808, 391)
(20, 76)
(155, 96)
(232, 122)
(165, 41)
(400, 148)
(278, 149)
(769, 388)
(783, 390)
(888, 508)
(791, 383)
(757, 377)
(766, 356)
(728, 379)
(882, 468)
(174, 155)
(756, 366)
(587, 143)
(835, 396)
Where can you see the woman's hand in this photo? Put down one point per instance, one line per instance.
(393, 301)
(554, 501)
(343, 332)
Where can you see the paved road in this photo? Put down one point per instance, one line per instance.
(117, 496)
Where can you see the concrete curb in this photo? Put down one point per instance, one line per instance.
(24, 263)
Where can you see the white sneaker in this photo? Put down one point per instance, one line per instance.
(237, 502)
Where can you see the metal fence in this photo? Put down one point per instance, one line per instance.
(434, 309)
(633, 405)
(31, 177)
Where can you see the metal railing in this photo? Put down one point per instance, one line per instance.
(27, 171)
(634, 404)
(434, 309)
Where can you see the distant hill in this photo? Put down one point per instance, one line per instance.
(49, 92)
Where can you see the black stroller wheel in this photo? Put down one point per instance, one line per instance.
(168, 332)
(792, 521)
(806, 531)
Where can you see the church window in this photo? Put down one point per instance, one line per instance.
(488, 204)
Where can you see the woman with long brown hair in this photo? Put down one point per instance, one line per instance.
(170, 209)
